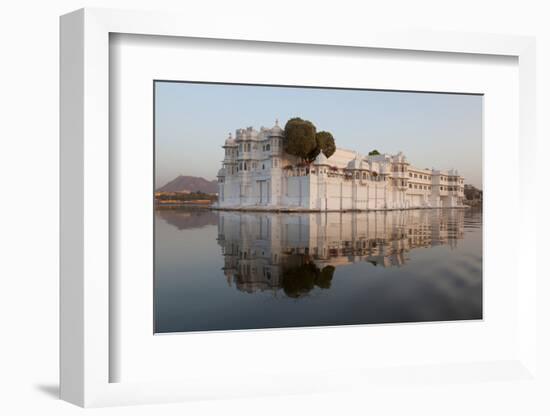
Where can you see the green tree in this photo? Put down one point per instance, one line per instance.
(374, 153)
(300, 138)
(303, 141)
(325, 143)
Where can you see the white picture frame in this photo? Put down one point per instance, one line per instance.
(85, 219)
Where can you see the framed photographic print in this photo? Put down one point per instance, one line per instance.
(299, 226)
(282, 214)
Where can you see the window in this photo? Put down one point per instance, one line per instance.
(410, 185)
(267, 147)
(263, 166)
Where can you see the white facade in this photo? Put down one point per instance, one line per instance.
(258, 174)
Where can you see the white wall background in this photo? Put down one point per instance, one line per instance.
(29, 202)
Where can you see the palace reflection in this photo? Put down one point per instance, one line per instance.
(299, 252)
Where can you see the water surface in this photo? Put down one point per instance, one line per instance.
(236, 270)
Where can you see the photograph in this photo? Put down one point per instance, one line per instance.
(279, 206)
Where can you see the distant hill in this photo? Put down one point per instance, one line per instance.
(190, 184)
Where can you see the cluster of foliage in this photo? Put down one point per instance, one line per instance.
(472, 193)
(302, 140)
(300, 280)
(184, 196)
(374, 153)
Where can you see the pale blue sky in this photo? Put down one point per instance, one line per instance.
(433, 130)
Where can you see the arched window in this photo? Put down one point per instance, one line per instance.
(267, 148)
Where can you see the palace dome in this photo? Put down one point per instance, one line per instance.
(230, 141)
(321, 159)
(221, 172)
(276, 130)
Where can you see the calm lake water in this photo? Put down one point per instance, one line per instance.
(235, 270)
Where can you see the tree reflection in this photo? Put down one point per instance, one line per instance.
(298, 281)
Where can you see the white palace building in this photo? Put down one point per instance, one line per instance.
(258, 175)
